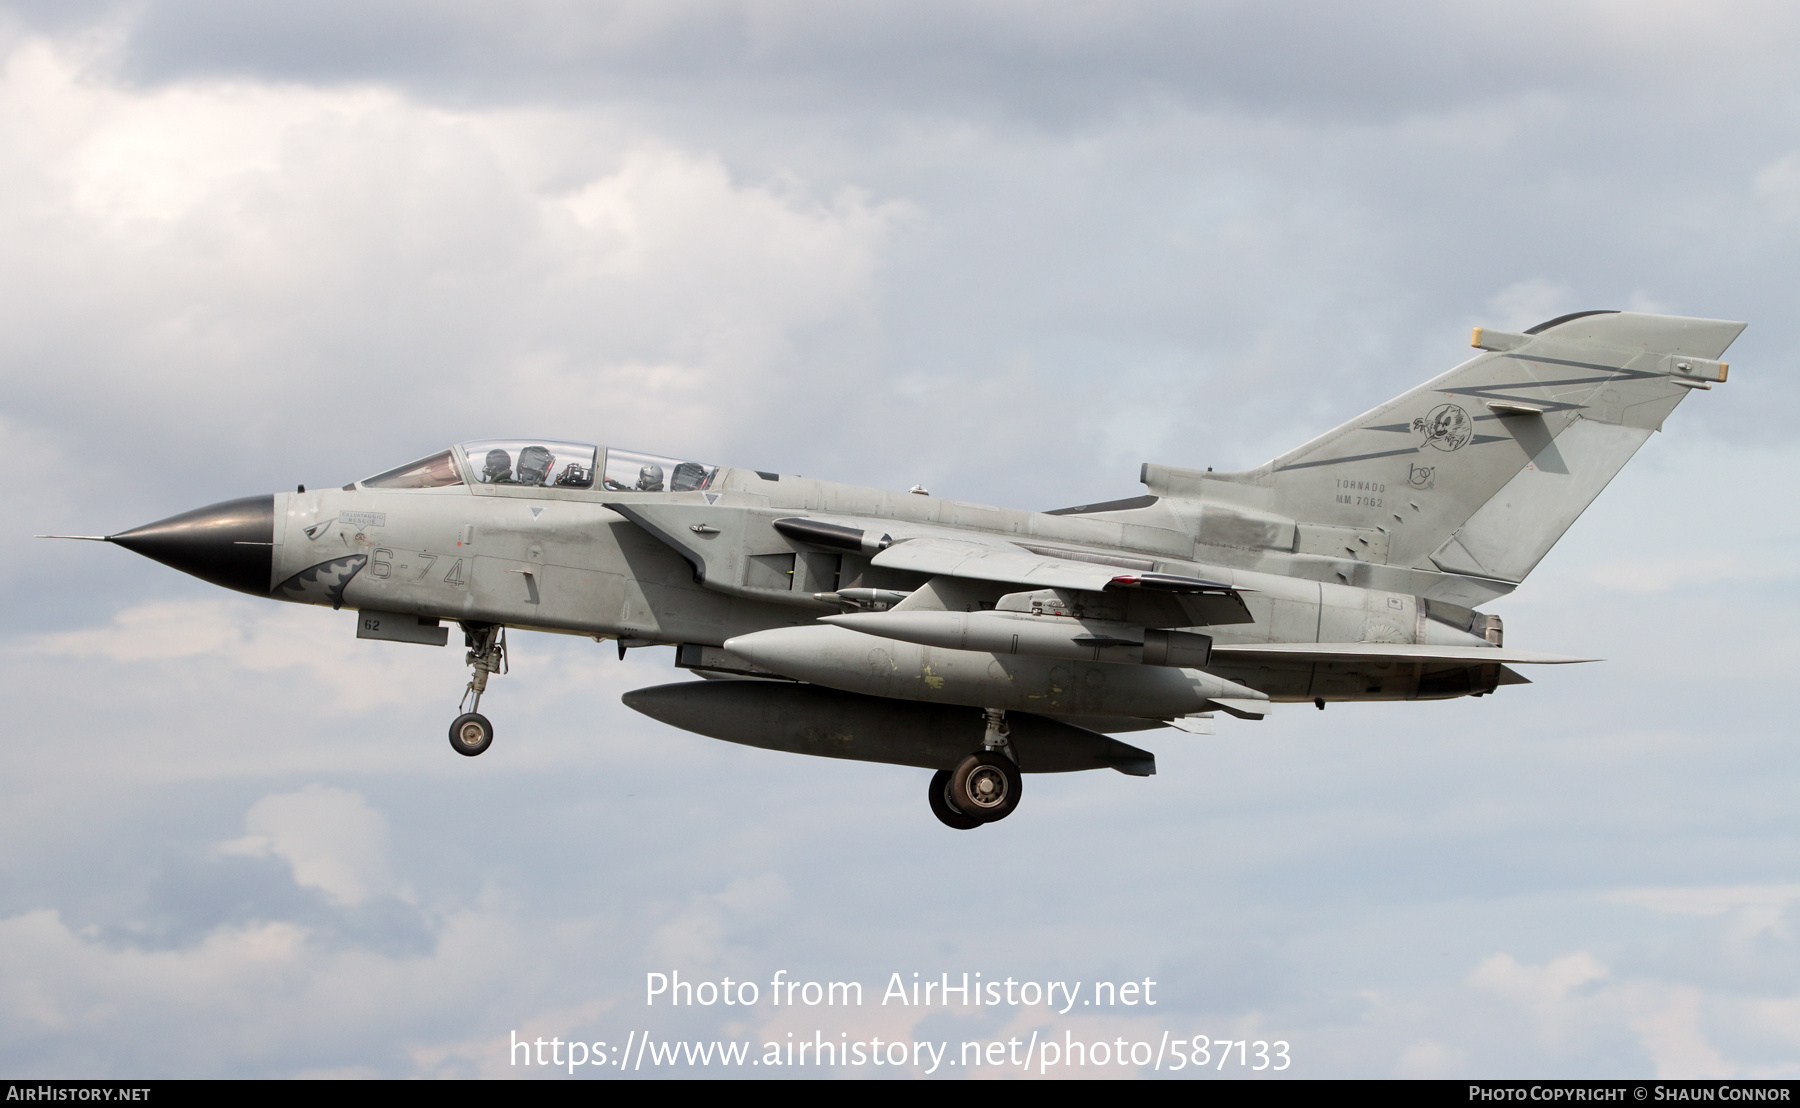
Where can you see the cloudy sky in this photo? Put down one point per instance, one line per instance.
(1006, 250)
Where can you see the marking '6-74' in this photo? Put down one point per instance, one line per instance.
(383, 566)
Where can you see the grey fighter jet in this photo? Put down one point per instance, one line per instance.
(979, 642)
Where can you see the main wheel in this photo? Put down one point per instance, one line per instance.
(985, 786)
(940, 804)
(471, 734)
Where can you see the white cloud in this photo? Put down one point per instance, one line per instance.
(255, 637)
(258, 994)
(57, 980)
(268, 244)
(698, 936)
(1573, 1004)
(331, 839)
(1709, 901)
(1427, 1059)
(1543, 988)
(1675, 1039)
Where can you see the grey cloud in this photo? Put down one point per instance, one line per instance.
(1054, 63)
(191, 897)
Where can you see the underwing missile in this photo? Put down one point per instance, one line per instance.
(1039, 636)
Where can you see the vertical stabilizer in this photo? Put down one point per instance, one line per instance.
(1481, 470)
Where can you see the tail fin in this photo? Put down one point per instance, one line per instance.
(1480, 471)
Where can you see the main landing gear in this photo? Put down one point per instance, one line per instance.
(985, 786)
(471, 733)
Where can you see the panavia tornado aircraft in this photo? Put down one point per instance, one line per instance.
(983, 642)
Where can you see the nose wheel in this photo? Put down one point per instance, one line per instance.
(470, 732)
(984, 787)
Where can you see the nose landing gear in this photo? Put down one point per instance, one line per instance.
(985, 786)
(470, 732)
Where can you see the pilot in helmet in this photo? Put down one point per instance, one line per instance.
(650, 479)
(534, 465)
(497, 469)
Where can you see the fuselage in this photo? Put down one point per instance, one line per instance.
(559, 559)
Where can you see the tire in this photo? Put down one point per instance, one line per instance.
(985, 786)
(940, 804)
(471, 734)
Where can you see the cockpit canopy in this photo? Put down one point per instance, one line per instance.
(426, 473)
(543, 463)
(627, 471)
(548, 463)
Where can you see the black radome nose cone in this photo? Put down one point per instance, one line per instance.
(230, 544)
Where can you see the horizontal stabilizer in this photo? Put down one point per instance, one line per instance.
(1389, 652)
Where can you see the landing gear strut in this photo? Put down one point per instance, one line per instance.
(985, 786)
(470, 732)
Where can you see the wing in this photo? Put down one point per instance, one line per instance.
(1205, 602)
(1009, 564)
(722, 543)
